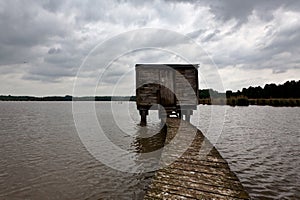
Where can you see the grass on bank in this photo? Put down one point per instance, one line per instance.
(244, 101)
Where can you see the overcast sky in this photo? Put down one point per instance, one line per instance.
(43, 43)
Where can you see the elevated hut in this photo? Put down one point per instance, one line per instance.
(172, 86)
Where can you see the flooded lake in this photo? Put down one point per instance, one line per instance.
(43, 156)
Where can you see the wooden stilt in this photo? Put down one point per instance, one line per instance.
(179, 114)
(162, 116)
(183, 114)
(143, 114)
(187, 117)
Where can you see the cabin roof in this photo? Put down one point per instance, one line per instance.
(175, 66)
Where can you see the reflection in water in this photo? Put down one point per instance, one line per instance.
(149, 150)
(145, 144)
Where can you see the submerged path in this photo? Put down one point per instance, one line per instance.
(199, 172)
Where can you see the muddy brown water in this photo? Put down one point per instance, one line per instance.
(42, 156)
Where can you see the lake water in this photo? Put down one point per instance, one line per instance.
(42, 156)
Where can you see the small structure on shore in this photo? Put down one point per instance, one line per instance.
(172, 89)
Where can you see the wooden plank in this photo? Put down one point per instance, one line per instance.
(192, 175)
(186, 87)
(167, 97)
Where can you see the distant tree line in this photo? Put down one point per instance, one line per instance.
(290, 89)
(210, 93)
(287, 94)
(66, 98)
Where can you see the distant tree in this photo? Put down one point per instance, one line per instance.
(229, 94)
(290, 89)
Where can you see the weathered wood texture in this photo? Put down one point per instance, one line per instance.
(147, 86)
(186, 86)
(200, 172)
(166, 84)
(167, 92)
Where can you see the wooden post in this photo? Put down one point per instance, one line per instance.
(179, 115)
(143, 114)
(187, 116)
(162, 116)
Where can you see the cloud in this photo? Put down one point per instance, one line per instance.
(46, 41)
(241, 10)
(279, 71)
(54, 50)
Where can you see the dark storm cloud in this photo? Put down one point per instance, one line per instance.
(54, 50)
(52, 5)
(241, 10)
(288, 39)
(25, 24)
(47, 40)
(25, 28)
(279, 37)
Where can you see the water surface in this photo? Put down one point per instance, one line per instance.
(262, 146)
(42, 156)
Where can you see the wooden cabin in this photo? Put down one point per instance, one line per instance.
(173, 86)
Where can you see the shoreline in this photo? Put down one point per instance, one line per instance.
(244, 101)
(292, 102)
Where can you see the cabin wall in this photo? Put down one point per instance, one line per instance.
(186, 85)
(147, 83)
(167, 90)
(149, 91)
